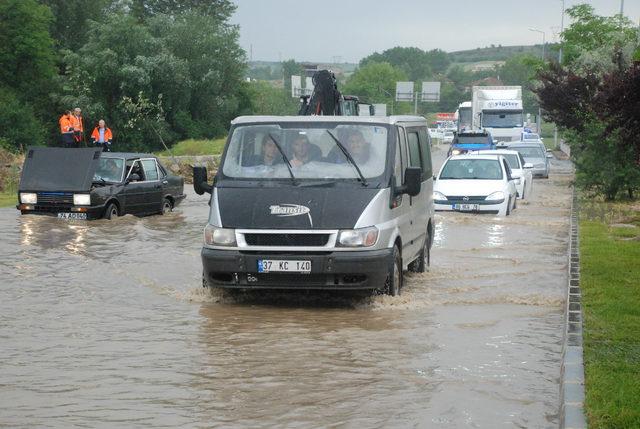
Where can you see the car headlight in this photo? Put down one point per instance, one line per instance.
(28, 197)
(439, 196)
(362, 237)
(496, 196)
(215, 236)
(81, 199)
(456, 152)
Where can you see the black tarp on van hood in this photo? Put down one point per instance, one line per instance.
(58, 169)
(293, 207)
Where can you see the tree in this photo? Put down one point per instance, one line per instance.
(72, 20)
(290, 68)
(375, 82)
(589, 32)
(218, 10)
(268, 100)
(413, 61)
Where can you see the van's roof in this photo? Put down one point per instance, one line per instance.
(391, 120)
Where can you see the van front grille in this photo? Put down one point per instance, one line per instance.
(256, 239)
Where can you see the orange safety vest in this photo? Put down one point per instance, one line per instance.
(65, 124)
(95, 135)
(76, 122)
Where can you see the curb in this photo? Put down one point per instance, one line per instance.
(572, 370)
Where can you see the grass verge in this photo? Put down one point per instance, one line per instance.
(196, 147)
(8, 199)
(610, 280)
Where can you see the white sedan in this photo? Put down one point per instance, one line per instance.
(475, 183)
(520, 170)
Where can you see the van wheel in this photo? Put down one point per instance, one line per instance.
(167, 207)
(393, 284)
(421, 264)
(111, 212)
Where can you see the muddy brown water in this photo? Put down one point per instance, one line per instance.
(105, 324)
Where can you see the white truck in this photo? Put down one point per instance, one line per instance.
(498, 110)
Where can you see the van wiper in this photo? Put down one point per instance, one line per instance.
(286, 160)
(349, 157)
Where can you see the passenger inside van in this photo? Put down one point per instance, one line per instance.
(304, 151)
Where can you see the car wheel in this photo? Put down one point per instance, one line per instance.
(421, 264)
(167, 207)
(111, 212)
(393, 284)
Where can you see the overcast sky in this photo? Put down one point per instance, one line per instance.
(348, 30)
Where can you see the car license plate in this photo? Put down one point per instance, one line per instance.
(466, 207)
(78, 216)
(288, 266)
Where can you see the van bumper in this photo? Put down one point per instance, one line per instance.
(348, 270)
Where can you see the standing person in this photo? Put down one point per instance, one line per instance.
(78, 126)
(102, 136)
(66, 129)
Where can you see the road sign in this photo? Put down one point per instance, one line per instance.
(404, 91)
(430, 92)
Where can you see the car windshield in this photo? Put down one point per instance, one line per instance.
(530, 136)
(256, 151)
(502, 119)
(484, 169)
(530, 152)
(109, 170)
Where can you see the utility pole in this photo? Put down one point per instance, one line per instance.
(621, 8)
(561, 30)
(544, 42)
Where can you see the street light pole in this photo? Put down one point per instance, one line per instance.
(561, 31)
(544, 42)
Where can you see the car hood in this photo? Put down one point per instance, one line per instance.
(292, 207)
(470, 188)
(58, 169)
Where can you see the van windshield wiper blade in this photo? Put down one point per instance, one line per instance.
(349, 157)
(286, 160)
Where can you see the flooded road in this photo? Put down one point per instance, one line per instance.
(105, 324)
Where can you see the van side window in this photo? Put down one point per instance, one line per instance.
(425, 149)
(403, 151)
(397, 167)
(415, 159)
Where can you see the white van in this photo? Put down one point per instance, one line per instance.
(319, 202)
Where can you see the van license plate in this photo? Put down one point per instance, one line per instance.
(79, 216)
(277, 266)
(465, 207)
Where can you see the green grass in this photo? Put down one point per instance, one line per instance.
(610, 280)
(196, 147)
(8, 199)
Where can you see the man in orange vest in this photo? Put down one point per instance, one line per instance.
(102, 136)
(66, 129)
(78, 126)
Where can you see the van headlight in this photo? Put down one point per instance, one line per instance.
(215, 236)
(361, 237)
(81, 199)
(28, 197)
(496, 196)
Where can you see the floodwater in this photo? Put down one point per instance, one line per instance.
(105, 324)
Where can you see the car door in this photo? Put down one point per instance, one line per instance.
(153, 186)
(511, 186)
(134, 191)
(419, 203)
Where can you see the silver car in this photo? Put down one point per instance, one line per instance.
(535, 154)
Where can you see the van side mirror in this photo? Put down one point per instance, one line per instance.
(200, 184)
(412, 182)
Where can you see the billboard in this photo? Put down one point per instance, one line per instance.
(430, 92)
(404, 91)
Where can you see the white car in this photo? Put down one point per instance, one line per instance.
(475, 183)
(448, 137)
(520, 170)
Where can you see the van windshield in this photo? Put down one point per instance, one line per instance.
(262, 151)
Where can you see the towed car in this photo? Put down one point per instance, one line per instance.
(470, 141)
(87, 183)
(475, 183)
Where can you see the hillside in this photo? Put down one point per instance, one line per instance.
(496, 53)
